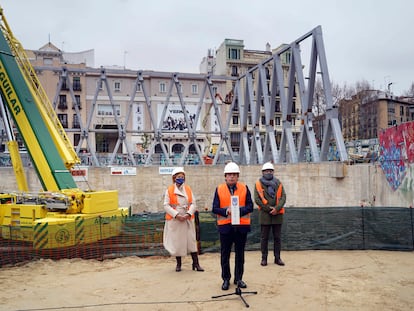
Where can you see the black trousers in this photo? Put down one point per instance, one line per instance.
(226, 241)
(264, 239)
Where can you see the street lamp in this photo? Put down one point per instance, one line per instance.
(389, 87)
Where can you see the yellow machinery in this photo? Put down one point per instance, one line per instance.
(61, 215)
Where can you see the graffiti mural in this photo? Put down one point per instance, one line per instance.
(396, 152)
(407, 186)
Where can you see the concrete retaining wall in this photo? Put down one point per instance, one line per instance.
(307, 185)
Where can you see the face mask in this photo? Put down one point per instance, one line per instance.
(179, 181)
(268, 176)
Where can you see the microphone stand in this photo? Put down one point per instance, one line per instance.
(239, 293)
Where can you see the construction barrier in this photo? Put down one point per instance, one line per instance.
(334, 228)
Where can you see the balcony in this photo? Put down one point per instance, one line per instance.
(63, 106)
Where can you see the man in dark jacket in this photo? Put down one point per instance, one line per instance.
(230, 199)
(270, 197)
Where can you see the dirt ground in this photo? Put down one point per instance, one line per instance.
(311, 280)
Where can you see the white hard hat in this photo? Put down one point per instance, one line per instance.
(268, 166)
(177, 170)
(231, 168)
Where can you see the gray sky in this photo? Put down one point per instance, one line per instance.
(368, 40)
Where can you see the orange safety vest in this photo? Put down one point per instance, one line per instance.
(225, 202)
(174, 199)
(260, 191)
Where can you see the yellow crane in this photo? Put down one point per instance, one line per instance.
(61, 215)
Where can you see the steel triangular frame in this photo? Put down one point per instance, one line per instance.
(254, 97)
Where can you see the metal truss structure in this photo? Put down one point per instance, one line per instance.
(259, 151)
(254, 94)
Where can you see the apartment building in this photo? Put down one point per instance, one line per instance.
(63, 77)
(118, 111)
(367, 113)
(234, 60)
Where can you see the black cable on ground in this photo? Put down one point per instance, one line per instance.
(79, 307)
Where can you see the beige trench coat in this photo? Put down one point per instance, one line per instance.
(179, 237)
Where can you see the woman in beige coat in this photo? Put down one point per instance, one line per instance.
(179, 230)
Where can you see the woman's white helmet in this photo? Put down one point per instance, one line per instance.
(177, 170)
(268, 166)
(231, 168)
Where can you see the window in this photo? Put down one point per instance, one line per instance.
(63, 118)
(102, 144)
(278, 121)
(77, 102)
(48, 61)
(285, 57)
(236, 105)
(180, 88)
(194, 89)
(117, 86)
(235, 141)
(235, 120)
(77, 84)
(234, 53)
(64, 84)
(76, 139)
(139, 87)
(99, 85)
(234, 72)
(75, 124)
(62, 102)
(277, 106)
(162, 87)
(293, 106)
(106, 110)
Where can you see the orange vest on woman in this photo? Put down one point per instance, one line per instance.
(174, 199)
(260, 191)
(225, 202)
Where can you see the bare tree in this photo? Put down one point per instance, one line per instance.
(409, 92)
(319, 105)
(361, 86)
(319, 102)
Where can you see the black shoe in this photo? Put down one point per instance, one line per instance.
(279, 262)
(240, 284)
(263, 262)
(197, 267)
(226, 285)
